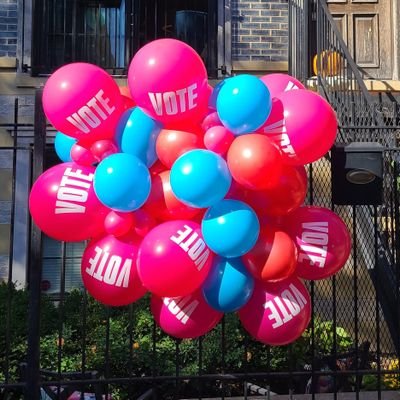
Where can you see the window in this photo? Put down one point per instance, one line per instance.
(109, 32)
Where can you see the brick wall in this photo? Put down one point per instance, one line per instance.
(260, 30)
(8, 28)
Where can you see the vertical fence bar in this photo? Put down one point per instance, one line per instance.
(35, 264)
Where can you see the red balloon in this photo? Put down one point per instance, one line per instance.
(254, 161)
(173, 259)
(144, 222)
(185, 317)
(157, 168)
(63, 203)
(109, 271)
(274, 256)
(171, 144)
(287, 195)
(277, 313)
(118, 223)
(127, 98)
(302, 124)
(218, 139)
(103, 148)
(322, 239)
(81, 155)
(163, 204)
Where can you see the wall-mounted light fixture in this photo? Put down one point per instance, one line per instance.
(357, 173)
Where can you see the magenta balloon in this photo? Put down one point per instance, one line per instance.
(173, 259)
(109, 271)
(302, 124)
(168, 79)
(83, 101)
(185, 317)
(119, 223)
(64, 205)
(81, 155)
(218, 139)
(277, 313)
(279, 83)
(323, 241)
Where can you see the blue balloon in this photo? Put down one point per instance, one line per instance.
(229, 285)
(63, 145)
(212, 100)
(200, 178)
(243, 104)
(137, 134)
(230, 228)
(122, 182)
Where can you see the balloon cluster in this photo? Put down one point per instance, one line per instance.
(191, 192)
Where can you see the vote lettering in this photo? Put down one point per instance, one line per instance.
(73, 191)
(193, 245)
(182, 307)
(314, 243)
(172, 103)
(286, 306)
(109, 268)
(91, 115)
(278, 133)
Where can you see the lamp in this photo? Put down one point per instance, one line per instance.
(357, 173)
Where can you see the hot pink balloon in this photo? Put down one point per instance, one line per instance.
(302, 124)
(144, 222)
(277, 313)
(185, 317)
(211, 120)
(109, 271)
(119, 223)
(83, 101)
(279, 83)
(81, 155)
(323, 241)
(103, 148)
(64, 205)
(168, 79)
(173, 259)
(218, 139)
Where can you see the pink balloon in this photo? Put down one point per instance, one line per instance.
(323, 241)
(302, 124)
(109, 271)
(81, 155)
(279, 83)
(103, 148)
(211, 120)
(64, 205)
(185, 317)
(168, 79)
(277, 313)
(173, 259)
(218, 139)
(83, 101)
(118, 223)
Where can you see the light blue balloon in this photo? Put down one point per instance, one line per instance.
(230, 228)
(243, 104)
(122, 182)
(137, 134)
(63, 145)
(200, 178)
(229, 285)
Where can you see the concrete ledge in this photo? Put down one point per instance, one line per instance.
(259, 65)
(8, 63)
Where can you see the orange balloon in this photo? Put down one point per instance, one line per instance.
(163, 204)
(274, 256)
(171, 144)
(254, 161)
